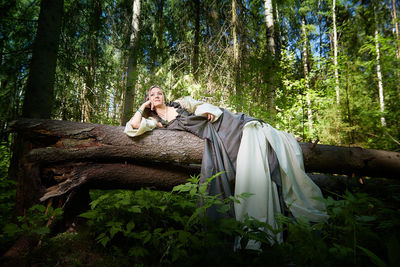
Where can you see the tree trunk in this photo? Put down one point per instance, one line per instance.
(95, 7)
(335, 52)
(39, 92)
(132, 63)
(236, 55)
(160, 42)
(195, 61)
(58, 142)
(379, 73)
(269, 20)
(396, 25)
(306, 76)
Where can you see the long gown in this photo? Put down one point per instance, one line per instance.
(253, 158)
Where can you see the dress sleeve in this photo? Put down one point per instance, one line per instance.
(146, 125)
(200, 108)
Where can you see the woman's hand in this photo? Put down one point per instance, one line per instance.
(210, 117)
(147, 104)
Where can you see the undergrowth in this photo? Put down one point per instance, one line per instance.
(155, 228)
(169, 228)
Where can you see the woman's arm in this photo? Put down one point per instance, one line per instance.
(137, 118)
(200, 108)
(138, 125)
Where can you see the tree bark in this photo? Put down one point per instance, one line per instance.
(132, 63)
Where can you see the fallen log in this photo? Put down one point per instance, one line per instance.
(64, 141)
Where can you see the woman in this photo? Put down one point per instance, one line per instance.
(252, 156)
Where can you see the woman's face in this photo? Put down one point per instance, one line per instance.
(156, 96)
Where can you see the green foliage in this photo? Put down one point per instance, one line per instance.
(161, 227)
(7, 194)
(34, 222)
(165, 228)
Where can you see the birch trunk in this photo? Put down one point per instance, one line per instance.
(132, 63)
(379, 72)
(306, 76)
(335, 52)
(269, 20)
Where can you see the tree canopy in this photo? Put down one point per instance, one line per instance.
(325, 70)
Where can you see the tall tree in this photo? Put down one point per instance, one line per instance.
(379, 71)
(269, 21)
(40, 85)
(89, 100)
(306, 74)
(132, 63)
(195, 61)
(396, 26)
(236, 54)
(335, 52)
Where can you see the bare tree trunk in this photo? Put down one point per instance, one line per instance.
(306, 76)
(320, 30)
(196, 39)
(236, 54)
(39, 92)
(379, 73)
(269, 20)
(132, 63)
(160, 42)
(335, 53)
(95, 8)
(396, 25)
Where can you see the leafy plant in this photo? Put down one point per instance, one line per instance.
(35, 222)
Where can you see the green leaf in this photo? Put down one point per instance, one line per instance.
(130, 226)
(373, 257)
(135, 209)
(90, 214)
(103, 239)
